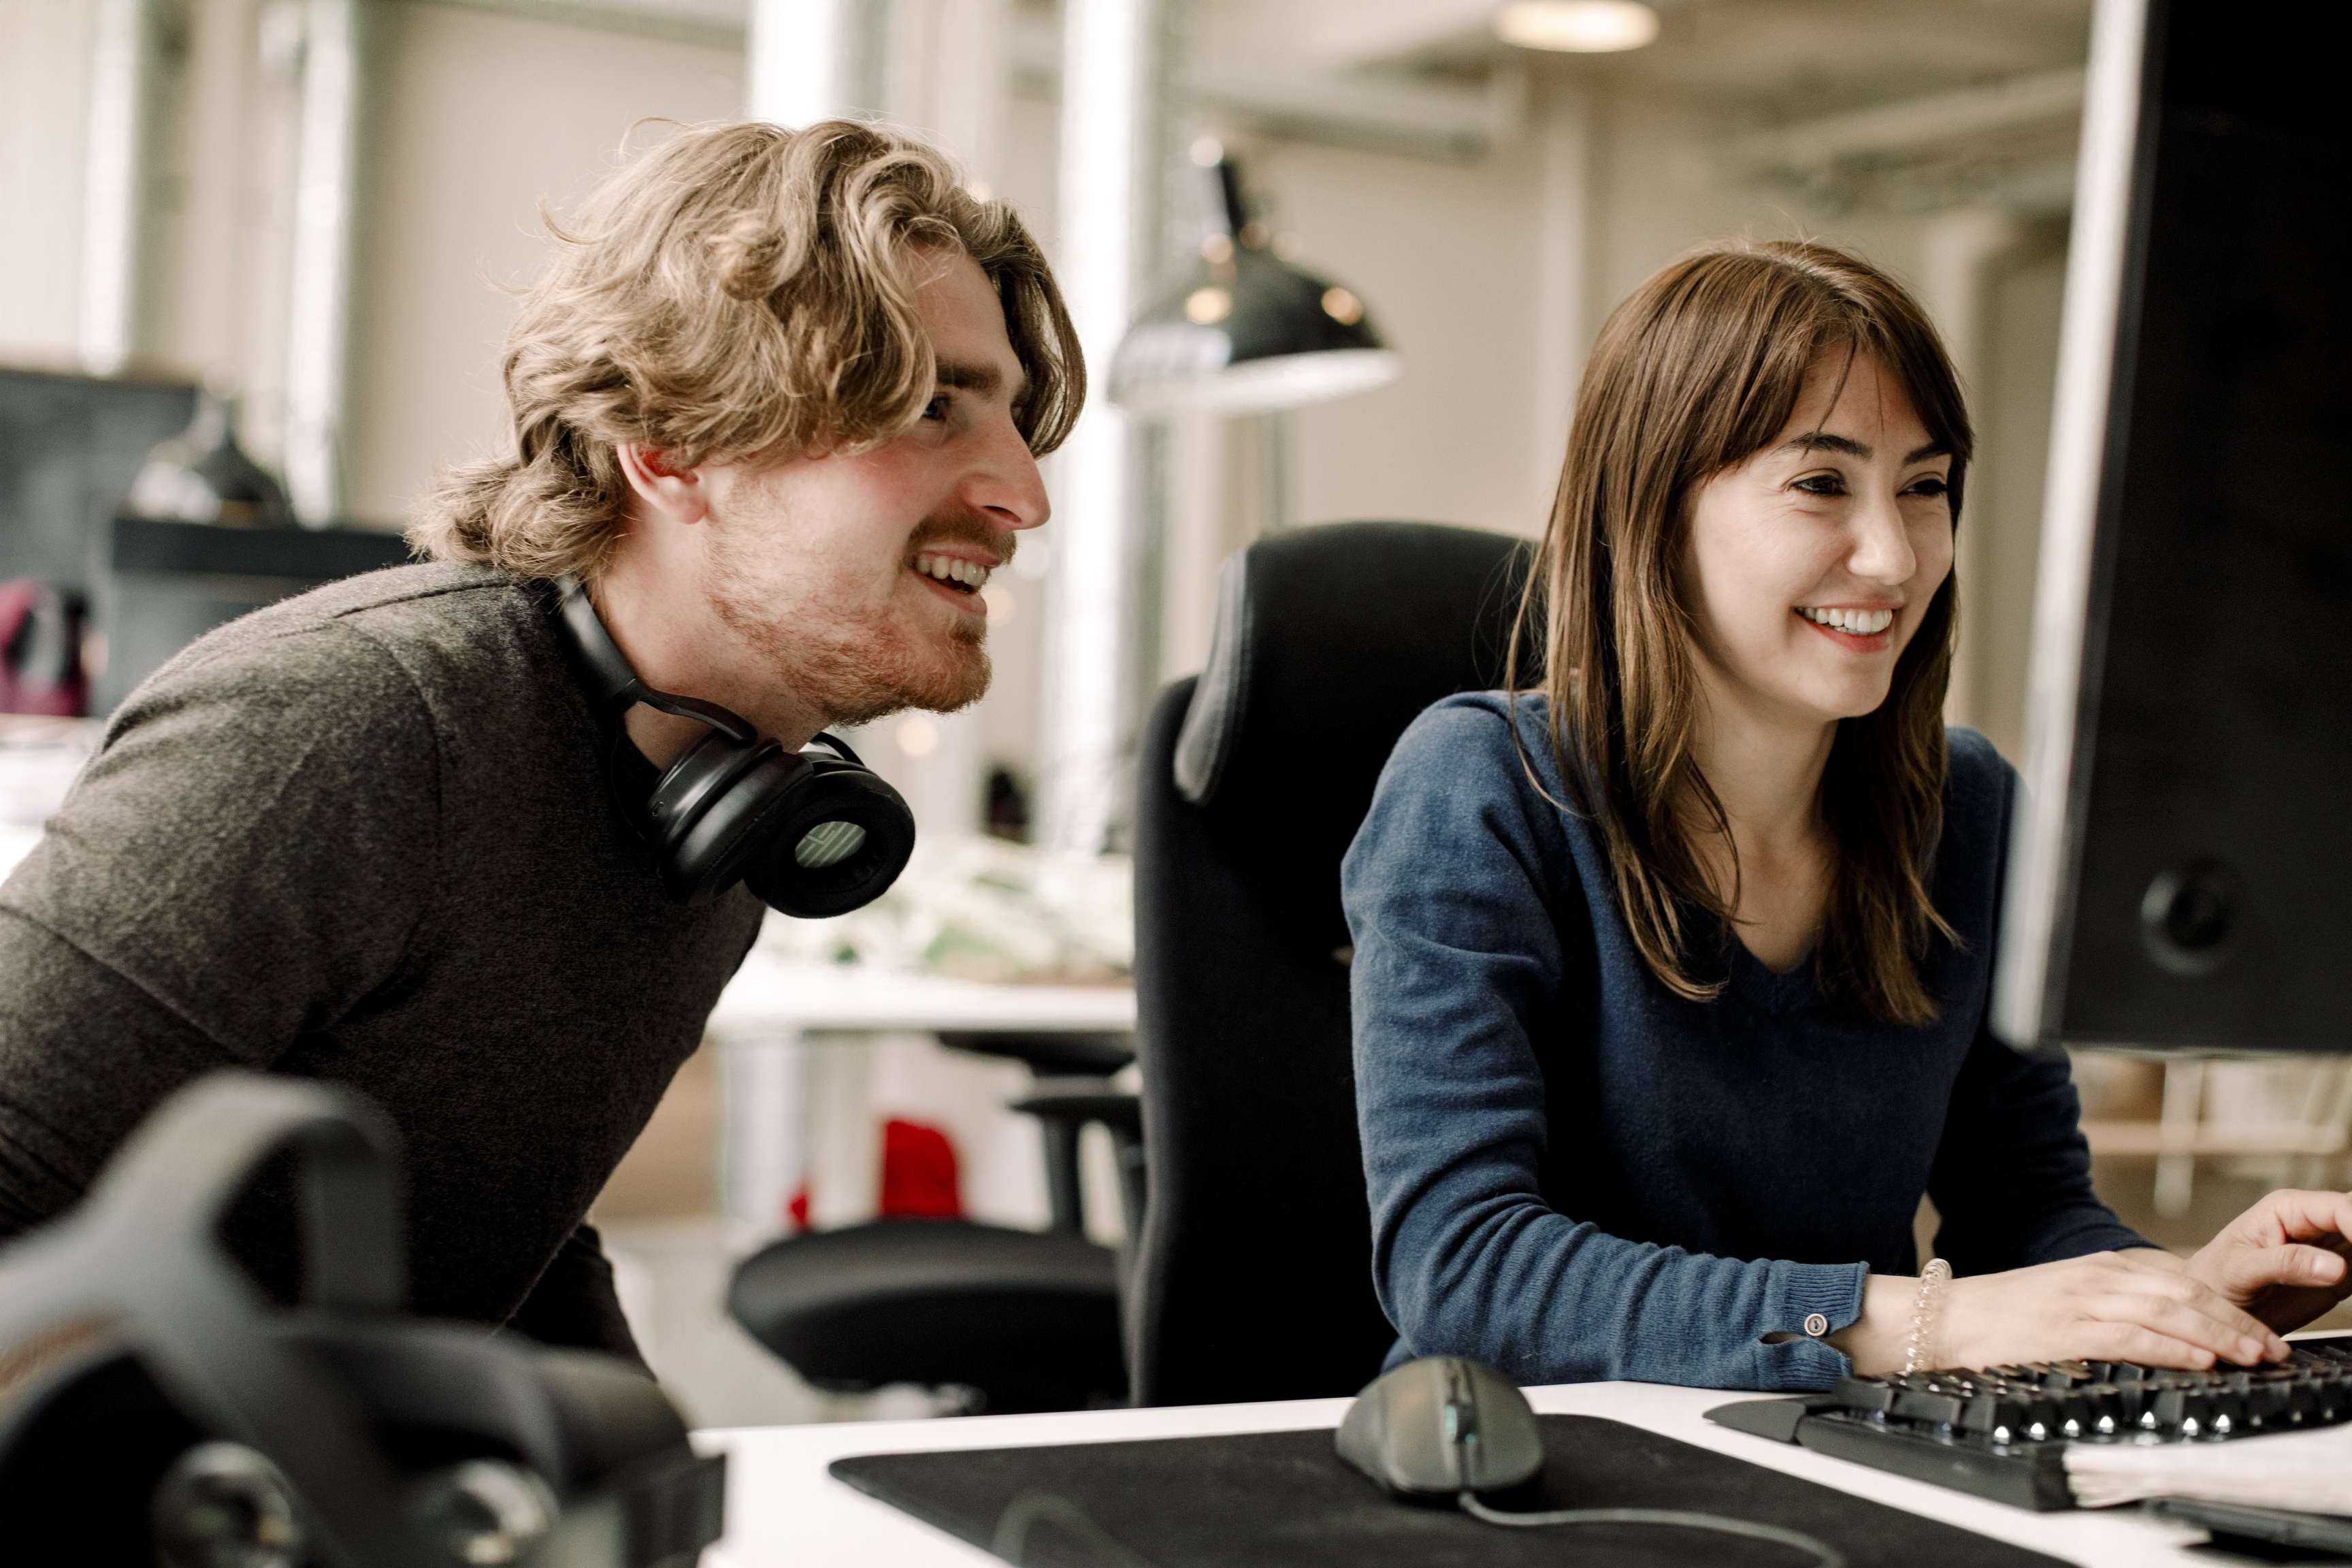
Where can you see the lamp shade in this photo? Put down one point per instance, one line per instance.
(1246, 331)
(203, 476)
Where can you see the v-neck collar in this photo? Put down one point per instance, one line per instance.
(1755, 982)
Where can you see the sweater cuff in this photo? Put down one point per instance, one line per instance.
(1809, 1301)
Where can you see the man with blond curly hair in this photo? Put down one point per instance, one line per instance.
(778, 404)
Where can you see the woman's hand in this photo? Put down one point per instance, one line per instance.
(2143, 1307)
(2283, 1260)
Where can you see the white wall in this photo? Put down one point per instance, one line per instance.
(45, 59)
(221, 184)
(1660, 189)
(217, 165)
(1444, 256)
(472, 119)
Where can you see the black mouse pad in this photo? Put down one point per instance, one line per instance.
(1284, 1499)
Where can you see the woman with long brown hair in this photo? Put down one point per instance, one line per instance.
(1671, 958)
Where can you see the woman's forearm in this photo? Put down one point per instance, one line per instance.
(1876, 1341)
(1546, 1299)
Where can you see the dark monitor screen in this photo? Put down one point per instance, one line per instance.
(69, 448)
(2181, 870)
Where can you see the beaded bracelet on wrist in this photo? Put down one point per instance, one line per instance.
(1926, 1314)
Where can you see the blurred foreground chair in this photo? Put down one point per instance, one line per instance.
(1251, 1271)
(1022, 1320)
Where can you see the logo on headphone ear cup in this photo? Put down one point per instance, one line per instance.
(837, 842)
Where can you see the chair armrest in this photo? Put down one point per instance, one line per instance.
(1053, 1053)
(1121, 1114)
(1065, 1108)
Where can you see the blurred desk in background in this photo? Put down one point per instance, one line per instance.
(163, 584)
(785, 1092)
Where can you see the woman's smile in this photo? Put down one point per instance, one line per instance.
(1859, 628)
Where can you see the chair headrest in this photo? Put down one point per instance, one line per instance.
(1329, 641)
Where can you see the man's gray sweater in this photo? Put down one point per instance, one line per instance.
(366, 836)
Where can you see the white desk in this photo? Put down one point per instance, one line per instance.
(784, 1509)
(771, 1014)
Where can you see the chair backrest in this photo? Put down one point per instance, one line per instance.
(1252, 1273)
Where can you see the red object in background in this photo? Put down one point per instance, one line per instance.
(919, 1172)
(796, 1207)
(40, 649)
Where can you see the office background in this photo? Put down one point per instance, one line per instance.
(320, 207)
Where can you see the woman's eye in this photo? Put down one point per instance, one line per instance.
(1930, 487)
(936, 408)
(1822, 485)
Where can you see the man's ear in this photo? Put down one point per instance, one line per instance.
(661, 485)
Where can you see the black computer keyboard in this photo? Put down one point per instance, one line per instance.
(2001, 1432)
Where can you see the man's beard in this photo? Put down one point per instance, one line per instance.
(856, 669)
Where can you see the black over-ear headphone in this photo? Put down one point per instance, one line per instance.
(809, 835)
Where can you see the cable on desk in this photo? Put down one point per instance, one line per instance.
(1025, 1512)
(1822, 1554)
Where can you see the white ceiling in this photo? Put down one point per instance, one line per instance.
(1789, 55)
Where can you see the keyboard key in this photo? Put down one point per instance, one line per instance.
(2266, 1404)
(1868, 1395)
(1927, 1409)
(2305, 1404)
(1998, 1417)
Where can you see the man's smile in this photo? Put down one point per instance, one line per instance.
(958, 575)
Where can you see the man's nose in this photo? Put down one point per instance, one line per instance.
(1006, 483)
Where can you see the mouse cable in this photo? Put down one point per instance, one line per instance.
(1026, 1512)
(1822, 1554)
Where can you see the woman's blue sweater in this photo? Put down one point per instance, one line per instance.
(1577, 1174)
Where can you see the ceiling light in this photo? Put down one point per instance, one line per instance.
(1577, 27)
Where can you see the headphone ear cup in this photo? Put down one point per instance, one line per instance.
(810, 834)
(710, 813)
(836, 844)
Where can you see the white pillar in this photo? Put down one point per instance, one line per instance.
(815, 59)
(318, 310)
(114, 170)
(945, 73)
(1110, 88)
(1960, 255)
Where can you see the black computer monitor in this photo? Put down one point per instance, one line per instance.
(163, 584)
(2180, 874)
(69, 448)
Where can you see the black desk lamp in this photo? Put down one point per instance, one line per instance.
(1246, 332)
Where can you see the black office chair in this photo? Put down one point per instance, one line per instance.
(1252, 1274)
(1024, 1320)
